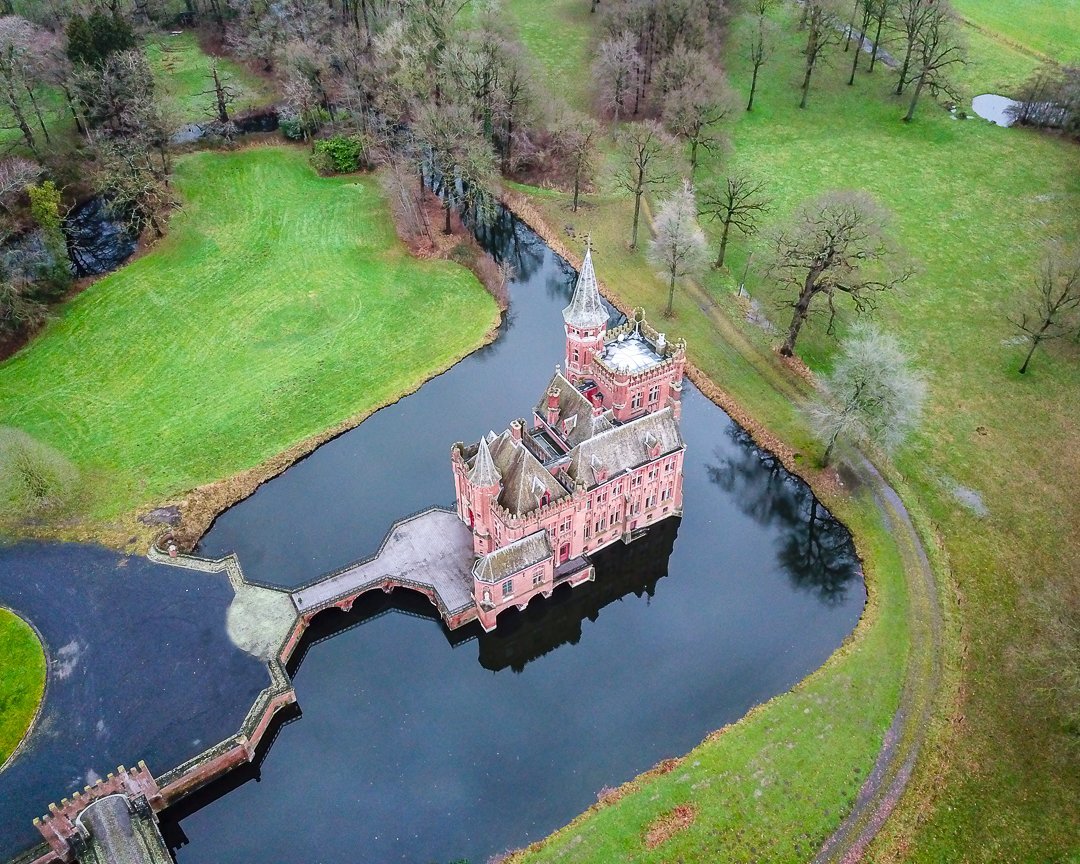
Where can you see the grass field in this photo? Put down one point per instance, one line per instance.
(973, 205)
(181, 71)
(22, 680)
(558, 36)
(260, 320)
(1050, 28)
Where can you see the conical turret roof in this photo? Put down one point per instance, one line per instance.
(586, 309)
(484, 472)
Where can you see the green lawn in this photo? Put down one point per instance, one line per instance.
(22, 680)
(1048, 27)
(558, 36)
(182, 70)
(280, 304)
(974, 205)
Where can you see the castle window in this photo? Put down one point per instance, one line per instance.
(545, 499)
(565, 525)
(663, 494)
(538, 577)
(576, 355)
(588, 530)
(654, 393)
(635, 403)
(508, 588)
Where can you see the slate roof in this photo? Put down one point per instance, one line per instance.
(573, 406)
(624, 447)
(513, 558)
(525, 480)
(484, 472)
(523, 477)
(586, 309)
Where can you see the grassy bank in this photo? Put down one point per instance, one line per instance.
(182, 75)
(974, 205)
(1048, 28)
(22, 680)
(280, 304)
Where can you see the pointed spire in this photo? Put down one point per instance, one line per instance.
(484, 472)
(586, 309)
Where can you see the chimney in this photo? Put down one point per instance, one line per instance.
(553, 406)
(661, 344)
(515, 430)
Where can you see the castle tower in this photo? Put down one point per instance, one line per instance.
(586, 323)
(484, 482)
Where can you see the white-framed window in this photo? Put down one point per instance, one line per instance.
(635, 403)
(588, 530)
(663, 494)
(538, 577)
(654, 393)
(508, 588)
(576, 355)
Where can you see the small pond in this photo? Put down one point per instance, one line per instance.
(996, 109)
(420, 745)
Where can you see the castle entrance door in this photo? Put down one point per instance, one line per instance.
(564, 553)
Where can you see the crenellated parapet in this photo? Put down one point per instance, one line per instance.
(60, 826)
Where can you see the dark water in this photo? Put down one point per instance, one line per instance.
(142, 667)
(416, 746)
(98, 239)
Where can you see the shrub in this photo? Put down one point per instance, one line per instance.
(340, 154)
(300, 127)
(34, 477)
(45, 208)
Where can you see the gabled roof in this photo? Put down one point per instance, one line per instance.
(513, 558)
(525, 480)
(575, 408)
(586, 309)
(624, 447)
(483, 471)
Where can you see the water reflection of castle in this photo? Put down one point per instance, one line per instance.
(546, 625)
(601, 461)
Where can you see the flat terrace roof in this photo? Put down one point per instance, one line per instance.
(630, 352)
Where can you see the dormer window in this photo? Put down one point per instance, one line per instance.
(569, 423)
(599, 470)
(652, 445)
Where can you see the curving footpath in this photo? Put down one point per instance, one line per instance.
(906, 734)
(922, 686)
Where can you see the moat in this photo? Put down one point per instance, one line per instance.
(417, 744)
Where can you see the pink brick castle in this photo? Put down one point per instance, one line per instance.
(601, 461)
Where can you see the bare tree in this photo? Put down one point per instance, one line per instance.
(133, 184)
(938, 48)
(22, 71)
(461, 159)
(824, 30)
(908, 18)
(882, 10)
(761, 44)
(646, 162)
(615, 72)
(16, 174)
(1052, 305)
(872, 395)
(576, 137)
(695, 111)
(223, 92)
(677, 248)
(864, 13)
(738, 202)
(834, 244)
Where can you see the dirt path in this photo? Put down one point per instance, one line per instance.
(923, 677)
